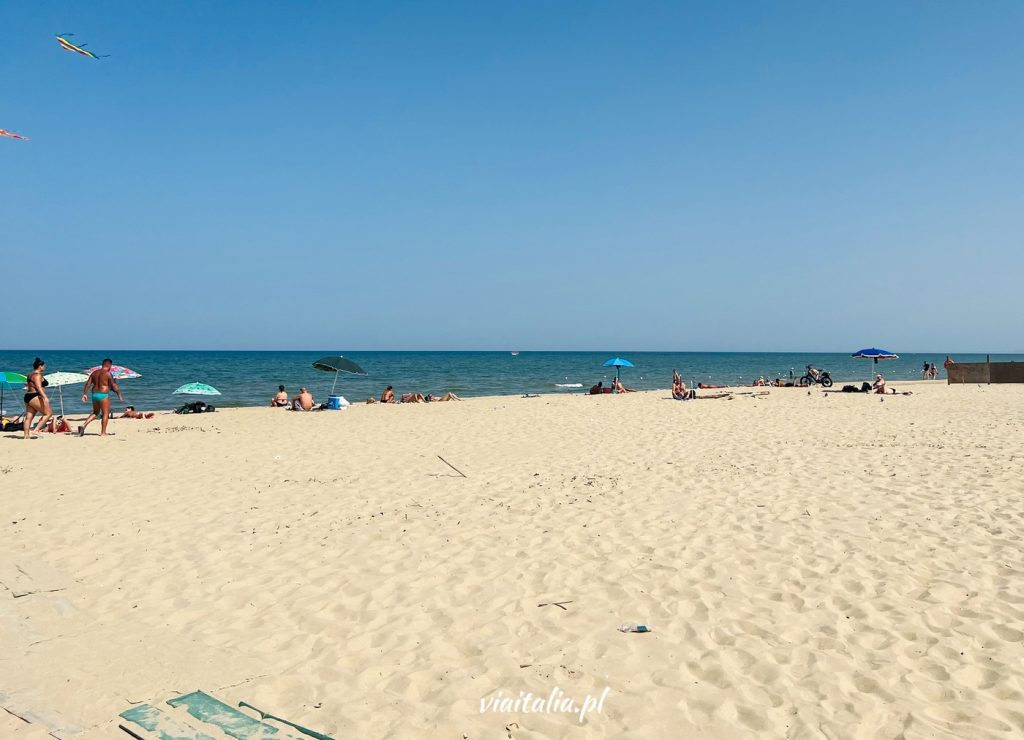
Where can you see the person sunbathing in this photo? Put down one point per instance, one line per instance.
(131, 413)
(449, 396)
(303, 401)
(413, 398)
(281, 399)
(879, 384)
(618, 387)
(598, 389)
(57, 425)
(388, 396)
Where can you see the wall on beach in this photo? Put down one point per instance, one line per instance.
(985, 372)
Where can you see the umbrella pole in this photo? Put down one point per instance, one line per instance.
(335, 383)
(61, 389)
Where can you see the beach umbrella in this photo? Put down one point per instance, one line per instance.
(197, 389)
(617, 362)
(337, 364)
(9, 381)
(59, 380)
(875, 354)
(117, 372)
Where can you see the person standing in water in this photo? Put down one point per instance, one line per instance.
(101, 382)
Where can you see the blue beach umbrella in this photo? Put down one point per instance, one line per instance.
(617, 362)
(873, 353)
(197, 389)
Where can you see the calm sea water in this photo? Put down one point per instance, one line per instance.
(251, 378)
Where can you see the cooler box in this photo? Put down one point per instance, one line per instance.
(337, 403)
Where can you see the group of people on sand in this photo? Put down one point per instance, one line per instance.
(615, 387)
(303, 401)
(39, 416)
(388, 396)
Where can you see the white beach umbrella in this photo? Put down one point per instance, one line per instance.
(59, 380)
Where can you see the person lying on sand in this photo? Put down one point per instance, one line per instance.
(131, 413)
(388, 396)
(57, 425)
(449, 396)
(281, 399)
(879, 384)
(618, 387)
(303, 401)
(413, 398)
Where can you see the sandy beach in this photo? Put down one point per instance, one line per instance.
(810, 565)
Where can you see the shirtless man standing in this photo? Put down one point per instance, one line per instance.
(101, 381)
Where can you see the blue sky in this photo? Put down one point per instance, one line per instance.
(532, 175)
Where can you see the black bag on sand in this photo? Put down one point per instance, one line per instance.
(865, 387)
(851, 389)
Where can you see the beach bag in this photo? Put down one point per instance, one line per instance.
(865, 387)
(851, 389)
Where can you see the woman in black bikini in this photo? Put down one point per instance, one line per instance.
(36, 401)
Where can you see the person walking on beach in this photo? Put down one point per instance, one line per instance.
(36, 400)
(933, 371)
(101, 381)
(924, 371)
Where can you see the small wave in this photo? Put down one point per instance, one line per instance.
(568, 385)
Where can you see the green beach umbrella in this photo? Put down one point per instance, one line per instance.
(10, 380)
(59, 380)
(197, 389)
(337, 364)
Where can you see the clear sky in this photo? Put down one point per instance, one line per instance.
(519, 175)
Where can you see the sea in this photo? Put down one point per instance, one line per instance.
(251, 378)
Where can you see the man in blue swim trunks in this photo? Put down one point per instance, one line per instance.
(101, 382)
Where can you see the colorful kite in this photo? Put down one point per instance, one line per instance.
(68, 46)
(12, 135)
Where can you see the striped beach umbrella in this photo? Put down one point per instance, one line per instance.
(117, 372)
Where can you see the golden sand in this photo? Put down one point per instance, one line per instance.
(810, 565)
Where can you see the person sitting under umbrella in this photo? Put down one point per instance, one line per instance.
(618, 387)
(879, 384)
(303, 401)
